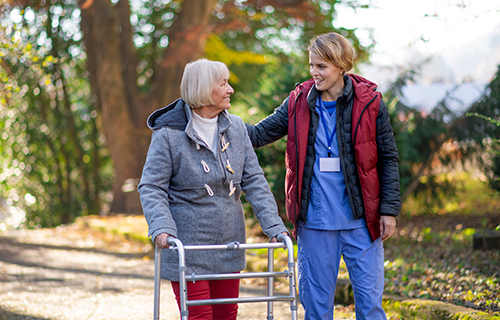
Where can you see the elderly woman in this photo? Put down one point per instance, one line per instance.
(199, 161)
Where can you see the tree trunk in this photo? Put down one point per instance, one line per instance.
(112, 61)
(102, 40)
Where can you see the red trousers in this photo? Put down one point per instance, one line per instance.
(211, 289)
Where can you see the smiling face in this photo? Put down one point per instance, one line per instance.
(220, 96)
(328, 77)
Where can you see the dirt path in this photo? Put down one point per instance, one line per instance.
(49, 274)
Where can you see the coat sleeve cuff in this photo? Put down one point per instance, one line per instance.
(389, 214)
(389, 210)
(274, 231)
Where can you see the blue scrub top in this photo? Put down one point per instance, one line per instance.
(329, 207)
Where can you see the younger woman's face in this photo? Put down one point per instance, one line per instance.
(328, 78)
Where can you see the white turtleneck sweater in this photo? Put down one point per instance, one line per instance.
(205, 128)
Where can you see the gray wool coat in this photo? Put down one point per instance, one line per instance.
(193, 193)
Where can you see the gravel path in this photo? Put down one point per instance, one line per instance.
(53, 274)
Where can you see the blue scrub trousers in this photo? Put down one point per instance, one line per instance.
(318, 261)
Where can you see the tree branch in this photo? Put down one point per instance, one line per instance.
(187, 38)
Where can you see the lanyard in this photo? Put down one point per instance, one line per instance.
(329, 137)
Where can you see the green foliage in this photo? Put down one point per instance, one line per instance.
(419, 137)
(54, 157)
(470, 194)
(217, 50)
(281, 34)
(281, 29)
(487, 108)
(54, 164)
(151, 21)
(438, 141)
(248, 32)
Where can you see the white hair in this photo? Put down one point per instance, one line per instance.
(199, 79)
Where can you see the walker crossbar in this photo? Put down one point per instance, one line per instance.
(231, 246)
(176, 245)
(227, 276)
(239, 300)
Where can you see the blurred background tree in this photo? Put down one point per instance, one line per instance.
(80, 78)
(436, 143)
(52, 156)
(488, 132)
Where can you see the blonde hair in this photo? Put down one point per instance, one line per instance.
(199, 79)
(334, 48)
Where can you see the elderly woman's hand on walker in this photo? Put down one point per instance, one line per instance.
(275, 239)
(161, 240)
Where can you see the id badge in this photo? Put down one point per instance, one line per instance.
(329, 164)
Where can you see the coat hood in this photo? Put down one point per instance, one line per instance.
(363, 88)
(173, 116)
(177, 116)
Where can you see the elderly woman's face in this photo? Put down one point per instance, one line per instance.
(221, 94)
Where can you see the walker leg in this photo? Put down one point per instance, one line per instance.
(183, 292)
(270, 283)
(182, 275)
(293, 289)
(292, 278)
(157, 283)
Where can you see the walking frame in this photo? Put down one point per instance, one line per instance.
(176, 245)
